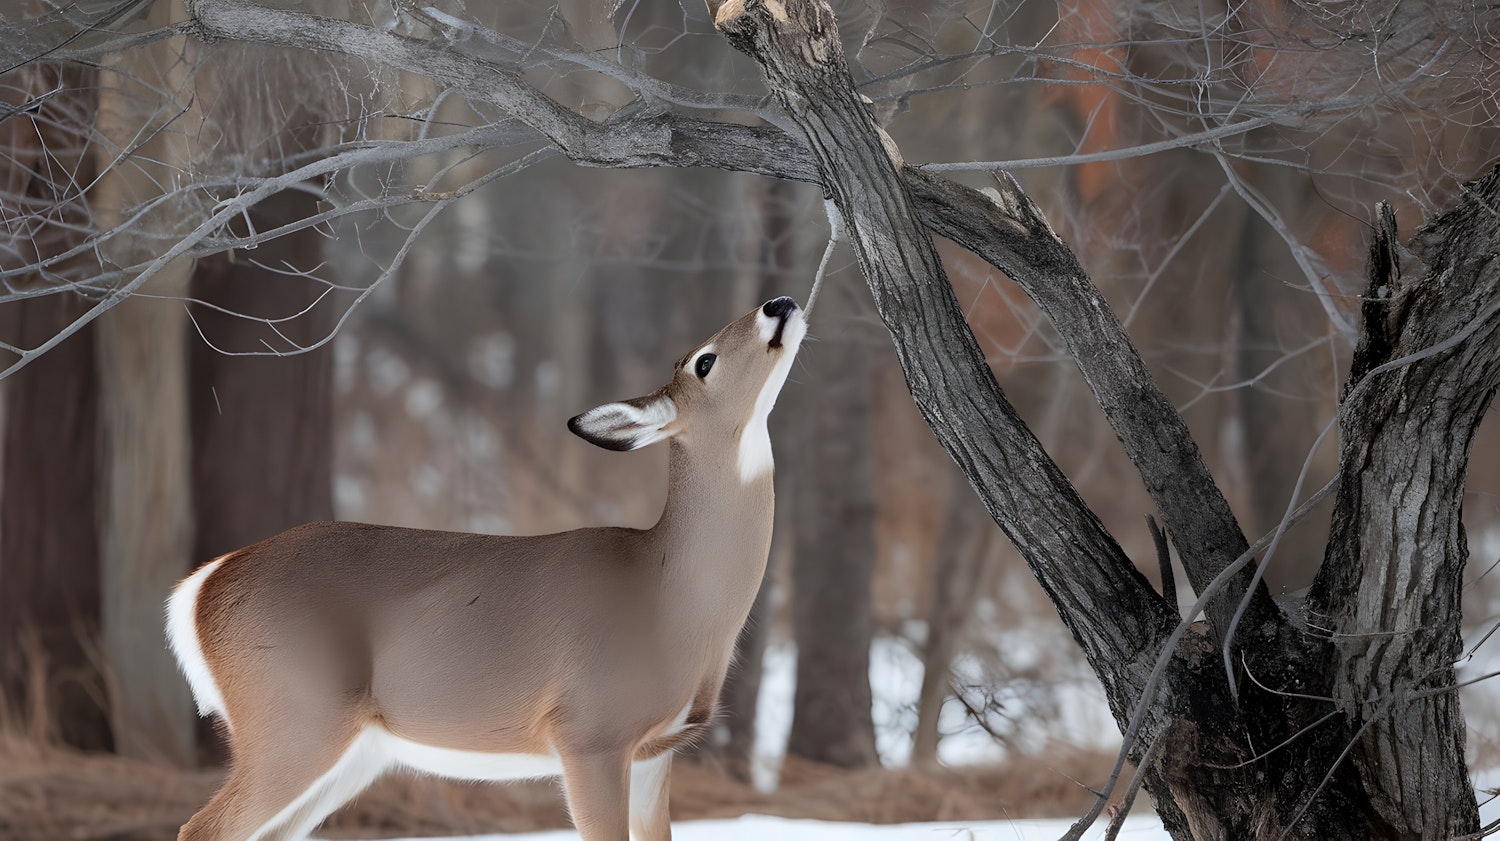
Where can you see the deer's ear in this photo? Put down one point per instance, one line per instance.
(627, 425)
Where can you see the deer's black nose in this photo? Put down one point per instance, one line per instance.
(779, 307)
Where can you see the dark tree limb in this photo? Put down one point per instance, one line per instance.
(1390, 588)
(1109, 607)
(1008, 231)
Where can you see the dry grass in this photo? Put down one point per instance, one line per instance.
(54, 794)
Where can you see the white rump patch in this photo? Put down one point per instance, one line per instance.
(182, 636)
(755, 441)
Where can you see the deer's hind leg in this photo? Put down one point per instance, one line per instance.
(282, 786)
(597, 785)
(650, 786)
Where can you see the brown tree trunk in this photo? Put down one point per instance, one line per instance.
(961, 557)
(145, 512)
(262, 425)
(833, 523)
(49, 553)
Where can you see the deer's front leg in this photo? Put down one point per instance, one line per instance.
(598, 789)
(650, 785)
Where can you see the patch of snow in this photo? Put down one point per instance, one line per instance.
(758, 827)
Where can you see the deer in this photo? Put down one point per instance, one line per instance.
(336, 651)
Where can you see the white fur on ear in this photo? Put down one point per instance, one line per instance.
(628, 425)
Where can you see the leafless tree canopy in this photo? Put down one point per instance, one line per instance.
(143, 136)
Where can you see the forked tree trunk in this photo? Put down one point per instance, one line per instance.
(1264, 757)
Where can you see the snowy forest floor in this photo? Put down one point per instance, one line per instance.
(50, 793)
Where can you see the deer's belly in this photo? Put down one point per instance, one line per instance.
(465, 764)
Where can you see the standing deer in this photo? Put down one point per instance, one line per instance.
(335, 651)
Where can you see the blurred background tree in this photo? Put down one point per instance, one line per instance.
(401, 292)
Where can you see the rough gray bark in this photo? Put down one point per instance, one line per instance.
(1212, 780)
(1390, 589)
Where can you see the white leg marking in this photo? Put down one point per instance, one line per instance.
(468, 765)
(182, 635)
(376, 750)
(361, 763)
(648, 791)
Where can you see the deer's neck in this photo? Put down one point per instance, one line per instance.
(714, 534)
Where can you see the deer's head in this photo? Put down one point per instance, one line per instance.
(720, 393)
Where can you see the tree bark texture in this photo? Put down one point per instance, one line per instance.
(1390, 589)
(145, 512)
(49, 553)
(1076, 560)
(262, 425)
(833, 560)
(963, 551)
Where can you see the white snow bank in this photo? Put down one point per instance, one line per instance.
(760, 827)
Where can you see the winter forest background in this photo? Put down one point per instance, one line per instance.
(362, 290)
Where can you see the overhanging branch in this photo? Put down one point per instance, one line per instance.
(1111, 610)
(1009, 233)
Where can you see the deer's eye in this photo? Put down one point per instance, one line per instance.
(704, 365)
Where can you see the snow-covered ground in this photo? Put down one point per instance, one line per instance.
(1074, 712)
(761, 828)
(1143, 827)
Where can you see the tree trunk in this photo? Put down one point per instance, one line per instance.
(961, 557)
(49, 553)
(145, 512)
(1391, 585)
(146, 518)
(262, 425)
(833, 523)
